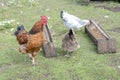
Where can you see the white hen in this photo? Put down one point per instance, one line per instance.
(72, 22)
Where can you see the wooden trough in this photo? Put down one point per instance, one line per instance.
(48, 46)
(105, 44)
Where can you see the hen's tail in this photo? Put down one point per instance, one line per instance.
(61, 14)
(19, 28)
(71, 34)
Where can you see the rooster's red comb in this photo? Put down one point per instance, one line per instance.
(44, 20)
(44, 17)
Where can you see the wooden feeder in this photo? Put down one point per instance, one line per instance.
(105, 44)
(48, 46)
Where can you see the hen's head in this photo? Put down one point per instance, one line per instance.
(44, 20)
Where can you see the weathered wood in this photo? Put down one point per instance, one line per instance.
(100, 29)
(102, 46)
(48, 33)
(49, 49)
(48, 46)
(103, 41)
(112, 45)
(90, 35)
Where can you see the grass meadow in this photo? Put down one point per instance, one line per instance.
(85, 63)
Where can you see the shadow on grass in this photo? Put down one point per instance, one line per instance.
(60, 51)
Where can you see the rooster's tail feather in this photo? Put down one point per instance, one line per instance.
(19, 28)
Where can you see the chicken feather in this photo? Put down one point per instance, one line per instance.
(71, 21)
(31, 42)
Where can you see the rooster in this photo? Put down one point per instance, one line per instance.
(71, 21)
(31, 42)
(69, 42)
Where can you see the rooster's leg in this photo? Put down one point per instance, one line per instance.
(30, 56)
(33, 61)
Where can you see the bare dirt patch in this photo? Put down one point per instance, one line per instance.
(113, 9)
(116, 30)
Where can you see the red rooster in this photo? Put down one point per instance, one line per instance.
(31, 42)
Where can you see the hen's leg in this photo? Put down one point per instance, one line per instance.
(68, 55)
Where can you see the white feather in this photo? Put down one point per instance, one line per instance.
(72, 21)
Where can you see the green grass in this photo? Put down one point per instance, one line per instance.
(85, 63)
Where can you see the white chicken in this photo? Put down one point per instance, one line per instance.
(72, 22)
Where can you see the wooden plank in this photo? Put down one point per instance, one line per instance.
(105, 46)
(49, 49)
(90, 35)
(48, 46)
(100, 29)
(112, 45)
(102, 46)
(49, 34)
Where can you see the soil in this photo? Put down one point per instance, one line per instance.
(116, 30)
(113, 9)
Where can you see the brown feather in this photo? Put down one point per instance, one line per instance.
(22, 37)
(32, 42)
(37, 27)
